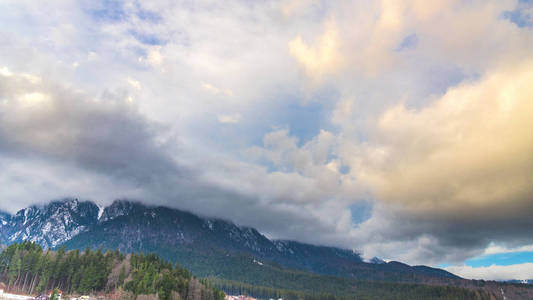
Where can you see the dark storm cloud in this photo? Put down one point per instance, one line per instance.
(106, 135)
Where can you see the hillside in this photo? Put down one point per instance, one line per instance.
(204, 245)
(48, 225)
(26, 268)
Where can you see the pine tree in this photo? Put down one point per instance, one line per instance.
(14, 268)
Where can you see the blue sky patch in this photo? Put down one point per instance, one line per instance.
(501, 259)
(149, 16)
(409, 42)
(361, 211)
(109, 11)
(148, 39)
(519, 16)
(304, 121)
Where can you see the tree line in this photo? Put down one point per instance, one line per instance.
(27, 268)
(360, 290)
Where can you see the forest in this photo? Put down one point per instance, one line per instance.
(363, 290)
(27, 269)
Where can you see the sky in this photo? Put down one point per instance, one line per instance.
(400, 129)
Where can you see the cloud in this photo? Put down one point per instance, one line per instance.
(89, 137)
(105, 135)
(494, 272)
(474, 136)
(153, 57)
(4, 71)
(231, 119)
(134, 83)
(460, 162)
(216, 91)
(321, 58)
(75, 144)
(496, 249)
(290, 8)
(430, 132)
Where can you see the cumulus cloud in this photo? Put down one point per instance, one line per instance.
(291, 7)
(106, 135)
(494, 249)
(475, 136)
(494, 272)
(68, 143)
(460, 162)
(231, 118)
(421, 112)
(321, 58)
(134, 83)
(216, 91)
(153, 57)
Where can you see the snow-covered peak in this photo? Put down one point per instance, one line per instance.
(50, 224)
(4, 218)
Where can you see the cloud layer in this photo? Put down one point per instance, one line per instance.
(518, 272)
(398, 128)
(459, 163)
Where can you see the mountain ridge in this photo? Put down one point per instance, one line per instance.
(206, 246)
(50, 224)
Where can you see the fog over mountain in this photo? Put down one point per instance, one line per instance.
(400, 129)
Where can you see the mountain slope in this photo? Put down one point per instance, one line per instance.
(49, 225)
(218, 249)
(213, 247)
(208, 247)
(4, 220)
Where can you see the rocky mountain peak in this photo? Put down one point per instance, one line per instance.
(51, 224)
(121, 208)
(182, 236)
(4, 217)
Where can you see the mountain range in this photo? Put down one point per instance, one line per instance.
(206, 246)
(216, 248)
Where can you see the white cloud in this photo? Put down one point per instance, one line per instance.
(153, 57)
(4, 71)
(494, 272)
(134, 83)
(454, 173)
(475, 136)
(289, 8)
(34, 99)
(216, 91)
(323, 57)
(231, 118)
(497, 249)
(436, 134)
